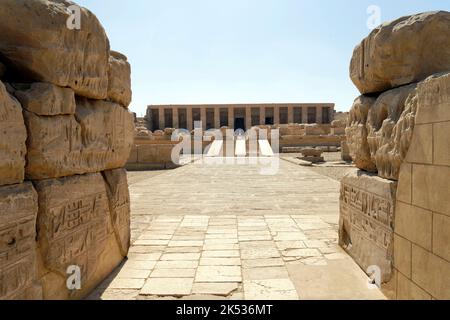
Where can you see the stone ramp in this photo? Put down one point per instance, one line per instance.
(226, 232)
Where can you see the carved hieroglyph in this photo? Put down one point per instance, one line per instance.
(74, 229)
(13, 135)
(18, 211)
(98, 137)
(366, 224)
(119, 206)
(45, 49)
(403, 51)
(119, 86)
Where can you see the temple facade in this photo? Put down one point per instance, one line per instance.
(237, 116)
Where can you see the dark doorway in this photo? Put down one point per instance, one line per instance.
(269, 121)
(239, 123)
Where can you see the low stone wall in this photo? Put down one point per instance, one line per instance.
(65, 135)
(152, 156)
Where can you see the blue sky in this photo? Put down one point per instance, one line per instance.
(242, 51)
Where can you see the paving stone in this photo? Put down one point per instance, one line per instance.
(126, 283)
(185, 243)
(144, 256)
(221, 254)
(255, 238)
(146, 249)
(286, 236)
(151, 242)
(220, 261)
(220, 241)
(140, 264)
(183, 250)
(301, 253)
(129, 273)
(180, 256)
(254, 263)
(153, 236)
(176, 264)
(219, 289)
(173, 273)
(259, 253)
(264, 273)
(223, 246)
(315, 244)
(168, 287)
(283, 245)
(271, 289)
(218, 274)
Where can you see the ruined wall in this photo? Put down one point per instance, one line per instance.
(65, 136)
(398, 130)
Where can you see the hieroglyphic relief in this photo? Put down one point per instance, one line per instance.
(366, 226)
(18, 210)
(119, 203)
(73, 223)
(368, 213)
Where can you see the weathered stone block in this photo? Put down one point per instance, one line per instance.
(404, 190)
(18, 211)
(13, 135)
(422, 140)
(119, 206)
(402, 255)
(45, 49)
(431, 273)
(46, 99)
(98, 137)
(74, 229)
(441, 236)
(414, 224)
(119, 86)
(366, 224)
(430, 188)
(441, 145)
(434, 99)
(403, 51)
(390, 125)
(356, 133)
(408, 290)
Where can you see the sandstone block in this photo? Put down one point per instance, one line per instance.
(408, 290)
(119, 205)
(366, 223)
(45, 49)
(434, 99)
(414, 224)
(13, 135)
(46, 99)
(390, 126)
(18, 211)
(441, 236)
(402, 51)
(98, 137)
(74, 229)
(119, 86)
(356, 133)
(402, 255)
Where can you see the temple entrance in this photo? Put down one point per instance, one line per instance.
(239, 123)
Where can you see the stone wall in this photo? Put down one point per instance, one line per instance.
(397, 135)
(65, 136)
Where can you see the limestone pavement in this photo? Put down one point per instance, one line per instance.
(224, 231)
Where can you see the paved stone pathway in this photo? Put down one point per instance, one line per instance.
(225, 231)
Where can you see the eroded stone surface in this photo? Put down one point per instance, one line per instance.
(74, 228)
(46, 99)
(98, 137)
(119, 86)
(13, 135)
(366, 225)
(18, 211)
(45, 49)
(403, 51)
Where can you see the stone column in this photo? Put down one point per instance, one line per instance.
(231, 117)
(319, 115)
(304, 114)
(248, 118)
(276, 115)
(216, 117)
(175, 119)
(290, 114)
(162, 121)
(262, 115)
(190, 126)
(203, 117)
